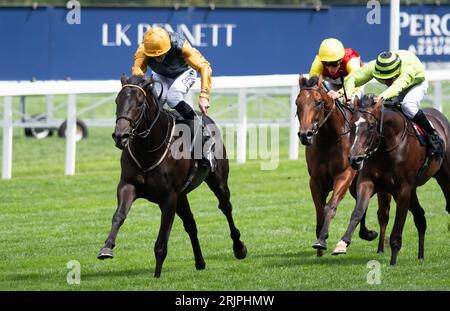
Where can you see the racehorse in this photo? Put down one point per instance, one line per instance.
(391, 159)
(149, 169)
(324, 130)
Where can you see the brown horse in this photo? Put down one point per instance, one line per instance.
(324, 130)
(150, 170)
(390, 158)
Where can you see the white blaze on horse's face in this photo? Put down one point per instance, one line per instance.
(360, 121)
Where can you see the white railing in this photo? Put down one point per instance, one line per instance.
(240, 86)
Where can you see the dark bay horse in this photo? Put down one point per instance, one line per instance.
(324, 130)
(150, 170)
(390, 157)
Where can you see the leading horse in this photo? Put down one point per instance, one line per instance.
(324, 130)
(391, 159)
(150, 170)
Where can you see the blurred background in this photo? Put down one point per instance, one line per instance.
(58, 56)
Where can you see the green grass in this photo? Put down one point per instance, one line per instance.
(48, 219)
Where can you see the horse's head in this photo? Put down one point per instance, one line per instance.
(135, 105)
(364, 135)
(312, 101)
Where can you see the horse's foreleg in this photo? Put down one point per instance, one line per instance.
(403, 203)
(168, 208)
(384, 200)
(126, 193)
(365, 190)
(319, 196)
(184, 212)
(364, 233)
(340, 186)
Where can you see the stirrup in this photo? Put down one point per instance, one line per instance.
(435, 145)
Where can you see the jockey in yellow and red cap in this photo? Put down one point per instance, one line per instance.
(334, 63)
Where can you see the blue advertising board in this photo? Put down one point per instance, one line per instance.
(41, 44)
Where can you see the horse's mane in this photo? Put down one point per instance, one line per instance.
(136, 80)
(312, 81)
(367, 100)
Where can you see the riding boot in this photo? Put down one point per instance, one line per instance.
(185, 110)
(208, 149)
(435, 144)
(188, 113)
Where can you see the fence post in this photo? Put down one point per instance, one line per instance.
(70, 134)
(49, 108)
(293, 138)
(437, 98)
(242, 127)
(7, 138)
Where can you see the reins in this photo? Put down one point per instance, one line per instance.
(144, 134)
(338, 104)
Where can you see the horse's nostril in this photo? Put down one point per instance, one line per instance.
(309, 134)
(125, 136)
(359, 159)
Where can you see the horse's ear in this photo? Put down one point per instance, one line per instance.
(357, 101)
(301, 80)
(378, 101)
(123, 79)
(148, 84)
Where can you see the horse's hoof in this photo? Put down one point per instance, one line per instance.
(320, 244)
(200, 265)
(319, 252)
(240, 252)
(341, 248)
(105, 253)
(368, 235)
(380, 251)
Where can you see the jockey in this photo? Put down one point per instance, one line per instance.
(174, 63)
(404, 75)
(334, 63)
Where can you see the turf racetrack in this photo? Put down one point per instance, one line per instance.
(48, 219)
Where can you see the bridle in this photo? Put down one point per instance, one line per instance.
(318, 105)
(378, 129)
(374, 143)
(145, 106)
(144, 134)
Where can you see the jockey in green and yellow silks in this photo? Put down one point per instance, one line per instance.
(404, 74)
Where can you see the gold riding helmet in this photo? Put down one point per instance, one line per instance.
(156, 42)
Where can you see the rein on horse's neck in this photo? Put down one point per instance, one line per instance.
(391, 124)
(159, 121)
(387, 124)
(336, 123)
